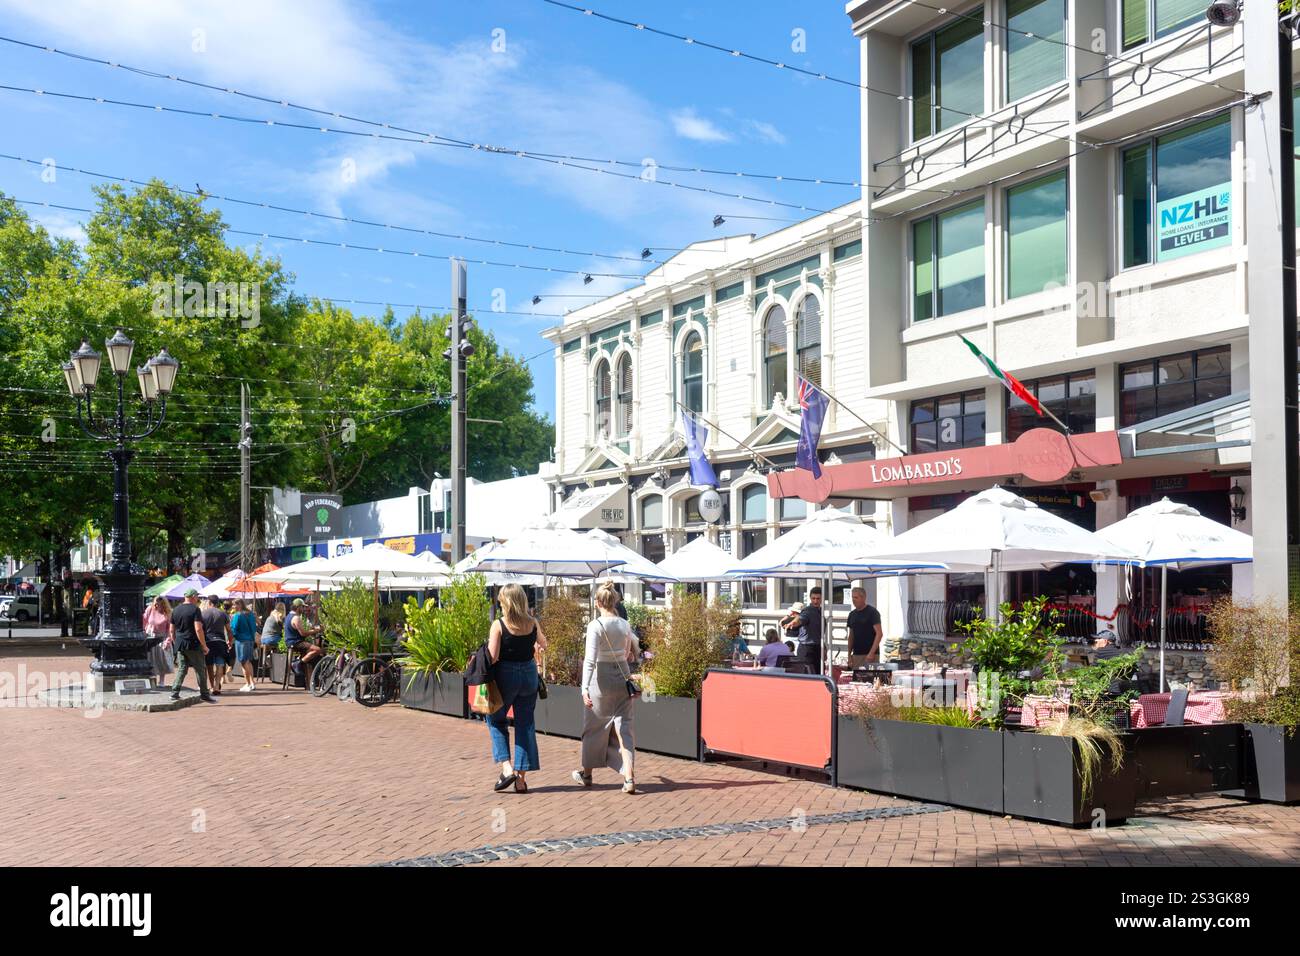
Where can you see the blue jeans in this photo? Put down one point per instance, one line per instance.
(517, 682)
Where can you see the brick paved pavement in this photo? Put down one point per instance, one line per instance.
(280, 778)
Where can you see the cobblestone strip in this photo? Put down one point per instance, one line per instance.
(506, 851)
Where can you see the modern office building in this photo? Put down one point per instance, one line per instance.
(1062, 182)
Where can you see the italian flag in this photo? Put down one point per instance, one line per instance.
(1013, 384)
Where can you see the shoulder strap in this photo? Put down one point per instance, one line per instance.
(622, 658)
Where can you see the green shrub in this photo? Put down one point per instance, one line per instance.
(688, 638)
(347, 618)
(564, 622)
(1026, 638)
(1089, 686)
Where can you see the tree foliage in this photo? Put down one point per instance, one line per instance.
(339, 402)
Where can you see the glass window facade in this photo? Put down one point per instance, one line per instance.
(1155, 387)
(1037, 235)
(948, 75)
(1143, 20)
(808, 339)
(623, 397)
(603, 398)
(1178, 193)
(774, 355)
(948, 262)
(1038, 61)
(950, 421)
(1072, 398)
(693, 373)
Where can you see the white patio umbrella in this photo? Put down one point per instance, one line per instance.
(1172, 535)
(829, 544)
(634, 566)
(698, 561)
(304, 573)
(220, 588)
(470, 565)
(996, 531)
(552, 550)
(382, 566)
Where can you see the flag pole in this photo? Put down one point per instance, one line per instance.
(858, 417)
(752, 451)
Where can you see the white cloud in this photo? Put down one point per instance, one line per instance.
(767, 132)
(690, 125)
(59, 225)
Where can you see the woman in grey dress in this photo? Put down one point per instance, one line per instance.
(608, 739)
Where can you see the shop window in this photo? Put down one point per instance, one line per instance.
(1156, 387)
(693, 373)
(1144, 20)
(623, 397)
(1037, 236)
(691, 510)
(1072, 398)
(1178, 193)
(652, 512)
(753, 505)
(948, 262)
(650, 539)
(774, 355)
(603, 396)
(808, 339)
(948, 75)
(1036, 61)
(951, 421)
(793, 509)
(753, 591)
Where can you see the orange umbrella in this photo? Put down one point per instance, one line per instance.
(250, 585)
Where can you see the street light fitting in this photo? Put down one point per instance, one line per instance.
(586, 280)
(718, 221)
(87, 362)
(466, 348)
(645, 253)
(536, 299)
(1224, 13)
(148, 384)
(119, 352)
(70, 376)
(164, 372)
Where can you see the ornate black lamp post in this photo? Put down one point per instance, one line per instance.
(121, 646)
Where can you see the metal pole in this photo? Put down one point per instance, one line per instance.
(1271, 293)
(458, 448)
(245, 446)
(1164, 619)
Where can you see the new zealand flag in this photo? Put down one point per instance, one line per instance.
(812, 401)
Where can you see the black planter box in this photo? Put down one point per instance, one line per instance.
(449, 694)
(961, 766)
(278, 663)
(560, 715)
(1194, 758)
(668, 725)
(1041, 782)
(1272, 763)
(417, 691)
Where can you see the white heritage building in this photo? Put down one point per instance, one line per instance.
(722, 329)
(1079, 218)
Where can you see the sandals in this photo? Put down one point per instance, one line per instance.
(582, 778)
(629, 786)
(504, 781)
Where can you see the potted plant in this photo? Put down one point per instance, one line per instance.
(688, 638)
(564, 622)
(1073, 770)
(438, 642)
(279, 661)
(893, 743)
(1257, 650)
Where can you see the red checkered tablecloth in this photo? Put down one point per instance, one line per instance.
(1038, 710)
(1205, 707)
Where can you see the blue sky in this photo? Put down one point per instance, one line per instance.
(520, 73)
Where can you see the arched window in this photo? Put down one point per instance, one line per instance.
(623, 397)
(693, 373)
(603, 395)
(774, 355)
(808, 339)
(650, 537)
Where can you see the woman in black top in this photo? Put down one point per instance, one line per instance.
(515, 644)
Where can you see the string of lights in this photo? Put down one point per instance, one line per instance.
(263, 121)
(351, 220)
(426, 135)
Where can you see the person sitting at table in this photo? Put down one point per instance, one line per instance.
(773, 650)
(298, 632)
(790, 647)
(737, 646)
(1104, 648)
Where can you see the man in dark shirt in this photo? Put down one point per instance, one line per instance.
(864, 630)
(216, 628)
(191, 645)
(810, 641)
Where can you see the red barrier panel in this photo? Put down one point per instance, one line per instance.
(785, 718)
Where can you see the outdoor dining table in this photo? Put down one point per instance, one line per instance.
(1203, 707)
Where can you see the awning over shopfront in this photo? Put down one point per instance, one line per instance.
(1040, 455)
(1208, 427)
(603, 507)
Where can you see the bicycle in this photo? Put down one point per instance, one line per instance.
(325, 676)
